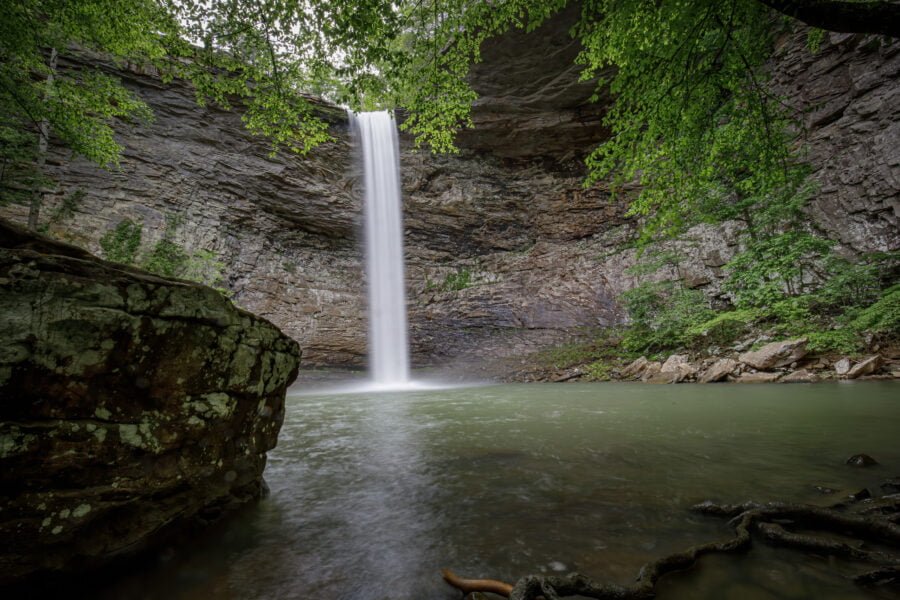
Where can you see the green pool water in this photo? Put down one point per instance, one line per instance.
(372, 493)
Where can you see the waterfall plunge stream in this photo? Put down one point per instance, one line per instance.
(388, 344)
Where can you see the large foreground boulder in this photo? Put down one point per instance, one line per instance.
(128, 404)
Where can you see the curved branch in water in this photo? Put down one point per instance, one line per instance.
(872, 521)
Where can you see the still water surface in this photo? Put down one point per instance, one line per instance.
(373, 493)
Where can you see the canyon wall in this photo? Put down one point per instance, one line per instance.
(544, 259)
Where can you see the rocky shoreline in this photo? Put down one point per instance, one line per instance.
(787, 361)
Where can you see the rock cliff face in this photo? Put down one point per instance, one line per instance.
(128, 403)
(545, 258)
(523, 235)
(849, 94)
(531, 102)
(285, 227)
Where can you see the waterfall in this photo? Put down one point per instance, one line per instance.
(388, 345)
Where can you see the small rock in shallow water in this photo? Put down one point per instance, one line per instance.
(891, 486)
(863, 494)
(861, 460)
(825, 490)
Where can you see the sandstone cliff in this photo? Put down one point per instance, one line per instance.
(128, 403)
(545, 258)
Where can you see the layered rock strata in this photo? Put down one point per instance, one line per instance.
(128, 403)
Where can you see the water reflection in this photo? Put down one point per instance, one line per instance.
(373, 493)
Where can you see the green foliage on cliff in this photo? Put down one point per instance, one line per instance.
(661, 316)
(457, 281)
(63, 211)
(78, 107)
(453, 282)
(776, 266)
(882, 317)
(841, 306)
(122, 243)
(19, 175)
(165, 258)
(723, 328)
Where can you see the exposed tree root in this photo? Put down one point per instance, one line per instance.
(872, 521)
(467, 586)
(882, 576)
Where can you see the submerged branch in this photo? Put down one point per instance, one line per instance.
(871, 521)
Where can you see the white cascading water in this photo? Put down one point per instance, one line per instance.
(388, 344)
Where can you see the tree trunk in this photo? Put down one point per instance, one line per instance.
(34, 211)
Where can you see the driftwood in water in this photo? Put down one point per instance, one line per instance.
(872, 521)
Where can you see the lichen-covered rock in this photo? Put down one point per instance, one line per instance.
(775, 354)
(128, 403)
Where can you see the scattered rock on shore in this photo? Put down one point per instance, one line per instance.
(865, 367)
(842, 367)
(719, 370)
(760, 377)
(775, 354)
(650, 370)
(636, 369)
(800, 376)
(678, 368)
